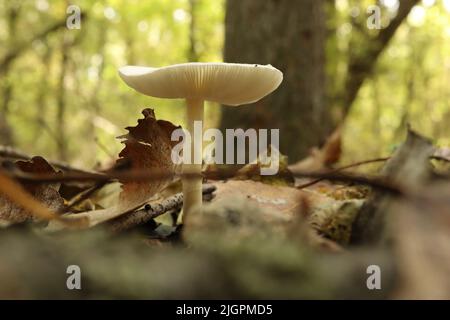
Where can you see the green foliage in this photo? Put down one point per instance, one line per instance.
(97, 103)
(409, 83)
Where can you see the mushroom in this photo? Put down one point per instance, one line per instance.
(225, 83)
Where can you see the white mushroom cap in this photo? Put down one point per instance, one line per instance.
(226, 83)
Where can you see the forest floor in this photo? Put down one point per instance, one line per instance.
(311, 232)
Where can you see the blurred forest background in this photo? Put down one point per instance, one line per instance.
(61, 97)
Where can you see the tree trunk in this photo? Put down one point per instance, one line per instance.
(290, 35)
(61, 100)
(6, 88)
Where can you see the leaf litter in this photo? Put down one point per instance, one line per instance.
(253, 235)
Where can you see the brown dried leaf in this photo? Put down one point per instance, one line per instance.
(332, 148)
(147, 147)
(44, 192)
(252, 171)
(329, 217)
(283, 200)
(243, 209)
(278, 199)
(322, 158)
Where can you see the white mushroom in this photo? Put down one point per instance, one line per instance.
(225, 83)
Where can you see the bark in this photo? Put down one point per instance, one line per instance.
(289, 35)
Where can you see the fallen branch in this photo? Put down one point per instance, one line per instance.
(153, 210)
(155, 175)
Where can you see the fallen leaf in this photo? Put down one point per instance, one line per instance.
(147, 147)
(252, 171)
(331, 218)
(332, 149)
(46, 193)
(278, 199)
(322, 158)
(335, 220)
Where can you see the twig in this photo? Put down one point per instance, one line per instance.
(9, 152)
(86, 194)
(308, 184)
(156, 174)
(122, 175)
(97, 186)
(376, 182)
(153, 210)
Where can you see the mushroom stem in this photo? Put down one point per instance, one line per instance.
(192, 186)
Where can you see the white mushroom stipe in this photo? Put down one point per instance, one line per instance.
(231, 84)
(192, 188)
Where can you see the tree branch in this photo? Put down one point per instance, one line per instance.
(155, 174)
(362, 63)
(6, 61)
(15, 52)
(153, 210)
(10, 152)
(333, 171)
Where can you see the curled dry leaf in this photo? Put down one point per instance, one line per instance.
(46, 193)
(147, 147)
